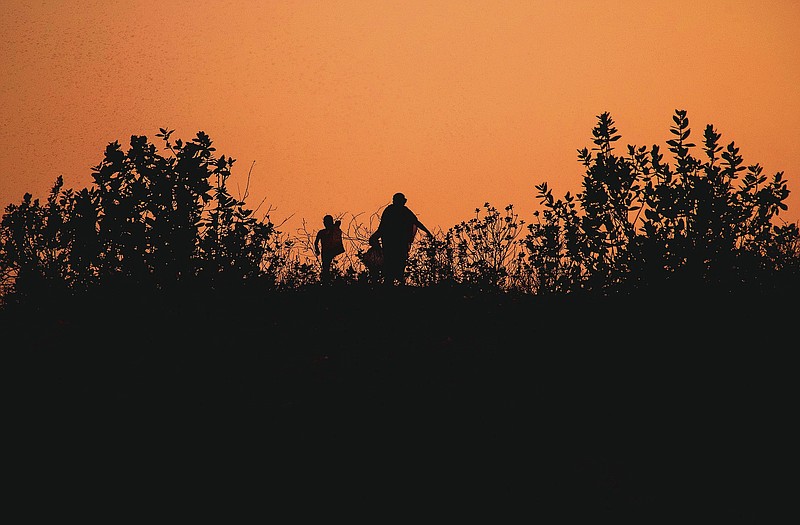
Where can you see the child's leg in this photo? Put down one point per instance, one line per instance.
(326, 268)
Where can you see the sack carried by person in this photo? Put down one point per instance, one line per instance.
(332, 241)
(337, 246)
(373, 257)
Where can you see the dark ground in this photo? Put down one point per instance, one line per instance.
(432, 404)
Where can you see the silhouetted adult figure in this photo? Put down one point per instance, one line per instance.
(396, 232)
(330, 239)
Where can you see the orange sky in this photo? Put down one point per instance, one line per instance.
(341, 104)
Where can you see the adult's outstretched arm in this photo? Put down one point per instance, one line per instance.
(423, 228)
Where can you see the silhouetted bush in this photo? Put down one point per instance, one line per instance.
(640, 223)
(149, 222)
(481, 252)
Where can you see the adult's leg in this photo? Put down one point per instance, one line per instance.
(392, 264)
(401, 269)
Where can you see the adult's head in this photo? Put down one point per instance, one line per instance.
(327, 220)
(398, 198)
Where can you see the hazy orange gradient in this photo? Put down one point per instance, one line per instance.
(340, 104)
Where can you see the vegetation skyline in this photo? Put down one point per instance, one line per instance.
(691, 218)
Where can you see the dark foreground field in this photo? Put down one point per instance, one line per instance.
(415, 404)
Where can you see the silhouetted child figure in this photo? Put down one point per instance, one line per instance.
(330, 240)
(396, 231)
(373, 260)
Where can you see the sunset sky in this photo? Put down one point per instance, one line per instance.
(340, 104)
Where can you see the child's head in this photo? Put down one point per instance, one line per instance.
(327, 221)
